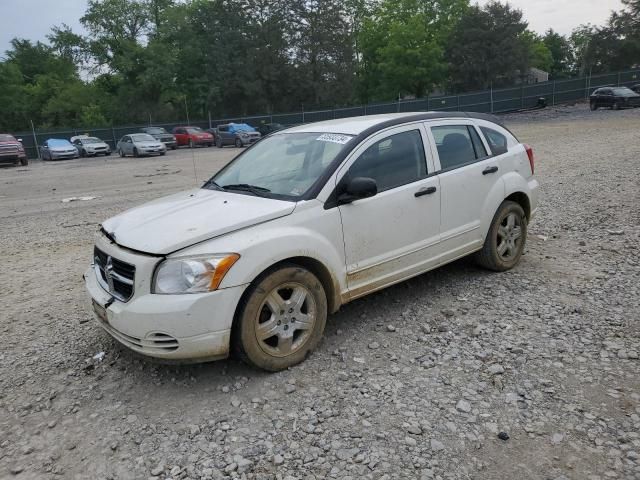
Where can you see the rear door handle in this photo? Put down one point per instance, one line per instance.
(489, 170)
(425, 191)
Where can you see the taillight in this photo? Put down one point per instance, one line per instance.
(531, 157)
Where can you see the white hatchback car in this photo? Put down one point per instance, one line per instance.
(304, 221)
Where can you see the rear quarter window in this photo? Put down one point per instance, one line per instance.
(496, 140)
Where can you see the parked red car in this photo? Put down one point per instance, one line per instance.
(192, 136)
(11, 150)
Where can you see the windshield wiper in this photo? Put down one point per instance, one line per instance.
(211, 183)
(245, 187)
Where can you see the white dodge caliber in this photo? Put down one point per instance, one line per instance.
(304, 221)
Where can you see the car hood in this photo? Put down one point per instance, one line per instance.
(183, 219)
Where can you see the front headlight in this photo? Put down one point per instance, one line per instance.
(192, 274)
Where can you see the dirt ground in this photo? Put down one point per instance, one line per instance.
(416, 381)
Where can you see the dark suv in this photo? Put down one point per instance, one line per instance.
(161, 135)
(614, 97)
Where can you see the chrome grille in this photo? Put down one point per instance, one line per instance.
(9, 148)
(115, 276)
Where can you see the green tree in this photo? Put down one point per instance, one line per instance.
(402, 45)
(561, 54)
(489, 46)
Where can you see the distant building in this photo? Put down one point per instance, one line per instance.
(534, 75)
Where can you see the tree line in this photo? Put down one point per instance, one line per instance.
(166, 59)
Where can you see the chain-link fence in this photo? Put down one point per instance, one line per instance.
(486, 101)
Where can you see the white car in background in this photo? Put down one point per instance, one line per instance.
(306, 220)
(139, 144)
(90, 146)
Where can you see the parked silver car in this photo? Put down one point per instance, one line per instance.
(58, 149)
(138, 144)
(90, 146)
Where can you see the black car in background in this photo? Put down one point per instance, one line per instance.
(161, 135)
(636, 88)
(614, 97)
(267, 128)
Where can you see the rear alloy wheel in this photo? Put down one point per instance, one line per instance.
(281, 319)
(593, 106)
(120, 152)
(238, 143)
(506, 238)
(135, 152)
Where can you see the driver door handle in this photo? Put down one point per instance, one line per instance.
(489, 170)
(425, 191)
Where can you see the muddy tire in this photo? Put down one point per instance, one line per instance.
(280, 319)
(505, 240)
(24, 161)
(238, 143)
(593, 106)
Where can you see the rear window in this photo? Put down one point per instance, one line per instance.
(497, 141)
(457, 145)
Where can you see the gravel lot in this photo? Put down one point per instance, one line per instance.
(458, 373)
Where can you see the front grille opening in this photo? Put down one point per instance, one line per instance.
(115, 276)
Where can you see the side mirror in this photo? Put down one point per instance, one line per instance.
(356, 189)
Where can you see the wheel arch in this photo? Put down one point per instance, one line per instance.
(315, 266)
(521, 199)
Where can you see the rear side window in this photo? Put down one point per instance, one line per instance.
(394, 161)
(456, 145)
(496, 140)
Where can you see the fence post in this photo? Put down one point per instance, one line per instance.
(302, 105)
(458, 101)
(365, 108)
(522, 96)
(428, 102)
(491, 93)
(618, 79)
(35, 140)
(113, 136)
(553, 94)
(209, 113)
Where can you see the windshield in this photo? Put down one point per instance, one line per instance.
(91, 140)
(142, 137)
(194, 130)
(6, 138)
(285, 165)
(624, 92)
(54, 142)
(155, 130)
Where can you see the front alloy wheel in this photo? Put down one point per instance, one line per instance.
(282, 319)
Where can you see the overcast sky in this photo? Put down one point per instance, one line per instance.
(33, 19)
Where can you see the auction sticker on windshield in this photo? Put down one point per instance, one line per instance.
(334, 138)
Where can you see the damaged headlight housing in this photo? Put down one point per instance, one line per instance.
(192, 274)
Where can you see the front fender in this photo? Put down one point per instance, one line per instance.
(317, 236)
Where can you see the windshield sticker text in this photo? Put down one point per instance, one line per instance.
(334, 138)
